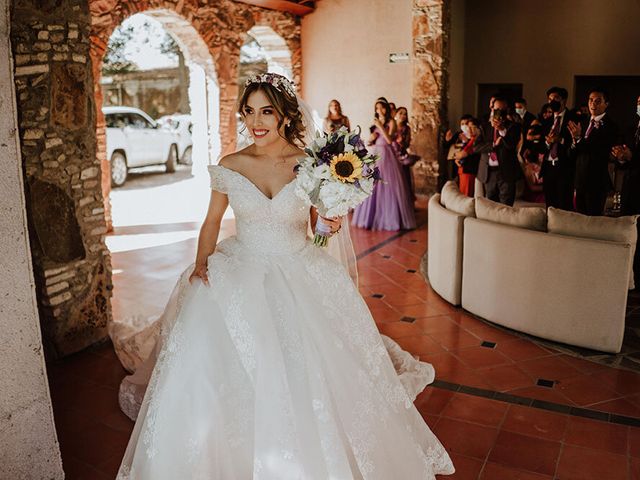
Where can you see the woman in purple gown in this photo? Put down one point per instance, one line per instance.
(389, 207)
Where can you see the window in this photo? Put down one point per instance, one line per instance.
(138, 121)
(116, 120)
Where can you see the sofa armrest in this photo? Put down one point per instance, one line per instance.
(444, 251)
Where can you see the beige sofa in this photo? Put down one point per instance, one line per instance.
(444, 253)
(505, 268)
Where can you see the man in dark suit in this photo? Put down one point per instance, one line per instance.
(628, 157)
(526, 117)
(557, 167)
(591, 150)
(499, 169)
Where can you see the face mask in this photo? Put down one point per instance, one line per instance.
(555, 105)
(520, 111)
(466, 130)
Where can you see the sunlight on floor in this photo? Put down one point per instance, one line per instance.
(126, 243)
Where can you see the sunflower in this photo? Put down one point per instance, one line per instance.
(346, 167)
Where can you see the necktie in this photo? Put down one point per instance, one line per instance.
(592, 123)
(637, 137)
(553, 153)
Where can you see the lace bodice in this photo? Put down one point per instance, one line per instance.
(276, 226)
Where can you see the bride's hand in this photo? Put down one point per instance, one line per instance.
(335, 223)
(200, 271)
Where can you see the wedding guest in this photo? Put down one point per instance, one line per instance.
(628, 156)
(389, 207)
(335, 118)
(533, 153)
(453, 141)
(546, 115)
(591, 151)
(499, 168)
(393, 108)
(557, 167)
(401, 143)
(486, 118)
(526, 117)
(468, 162)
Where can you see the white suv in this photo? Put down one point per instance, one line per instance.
(134, 139)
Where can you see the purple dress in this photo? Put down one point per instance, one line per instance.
(389, 207)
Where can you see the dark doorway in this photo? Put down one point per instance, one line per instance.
(623, 94)
(511, 91)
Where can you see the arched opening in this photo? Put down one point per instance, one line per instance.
(276, 50)
(263, 51)
(159, 205)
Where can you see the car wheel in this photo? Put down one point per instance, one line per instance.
(172, 160)
(118, 169)
(186, 157)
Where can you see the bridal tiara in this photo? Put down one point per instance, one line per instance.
(276, 81)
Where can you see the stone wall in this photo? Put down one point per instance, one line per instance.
(64, 199)
(431, 28)
(58, 47)
(28, 445)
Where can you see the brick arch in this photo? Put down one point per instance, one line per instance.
(221, 26)
(276, 49)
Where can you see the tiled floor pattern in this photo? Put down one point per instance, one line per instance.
(487, 438)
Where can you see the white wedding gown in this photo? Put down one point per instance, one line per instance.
(276, 371)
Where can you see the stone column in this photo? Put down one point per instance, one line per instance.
(28, 444)
(431, 29)
(54, 85)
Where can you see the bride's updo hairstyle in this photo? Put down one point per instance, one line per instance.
(282, 97)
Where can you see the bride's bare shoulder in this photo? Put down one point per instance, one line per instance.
(236, 159)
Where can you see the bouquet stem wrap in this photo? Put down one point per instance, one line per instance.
(322, 233)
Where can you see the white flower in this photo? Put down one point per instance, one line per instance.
(319, 143)
(367, 186)
(322, 171)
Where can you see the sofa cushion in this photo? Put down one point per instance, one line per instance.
(455, 201)
(621, 229)
(532, 218)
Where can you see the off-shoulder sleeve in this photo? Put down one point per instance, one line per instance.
(218, 178)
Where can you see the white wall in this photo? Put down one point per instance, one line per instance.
(345, 50)
(28, 445)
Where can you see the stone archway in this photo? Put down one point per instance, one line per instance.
(57, 49)
(276, 49)
(196, 53)
(189, 24)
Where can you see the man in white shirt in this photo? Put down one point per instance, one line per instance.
(592, 149)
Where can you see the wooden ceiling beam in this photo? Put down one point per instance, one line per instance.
(282, 5)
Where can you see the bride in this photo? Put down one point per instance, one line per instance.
(267, 363)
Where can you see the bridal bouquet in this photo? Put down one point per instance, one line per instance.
(337, 175)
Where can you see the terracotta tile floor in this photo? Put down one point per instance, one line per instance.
(505, 405)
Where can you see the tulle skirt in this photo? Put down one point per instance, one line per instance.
(275, 371)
